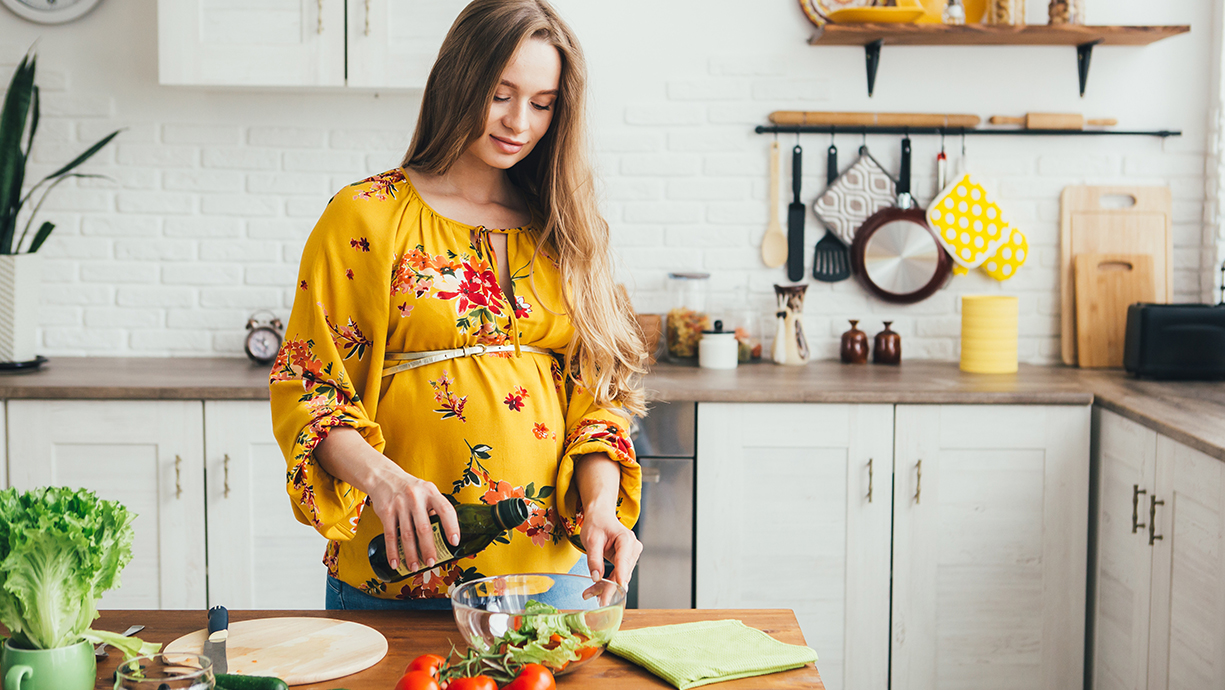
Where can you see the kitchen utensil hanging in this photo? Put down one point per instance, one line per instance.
(795, 219)
(830, 262)
(774, 243)
(895, 255)
(862, 190)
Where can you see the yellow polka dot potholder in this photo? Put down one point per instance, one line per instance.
(1008, 256)
(968, 224)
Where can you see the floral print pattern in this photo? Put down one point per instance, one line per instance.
(441, 421)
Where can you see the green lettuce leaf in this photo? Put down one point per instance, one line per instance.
(130, 646)
(60, 549)
(547, 636)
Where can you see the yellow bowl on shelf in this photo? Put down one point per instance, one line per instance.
(906, 12)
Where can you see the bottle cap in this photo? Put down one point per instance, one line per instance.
(511, 512)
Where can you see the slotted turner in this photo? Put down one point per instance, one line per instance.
(830, 262)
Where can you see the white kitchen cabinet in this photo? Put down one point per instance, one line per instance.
(989, 546)
(393, 43)
(361, 43)
(1187, 529)
(793, 511)
(1127, 456)
(147, 455)
(245, 43)
(259, 556)
(1159, 618)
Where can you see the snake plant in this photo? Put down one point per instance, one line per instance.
(21, 108)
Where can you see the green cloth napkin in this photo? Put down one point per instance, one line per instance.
(691, 654)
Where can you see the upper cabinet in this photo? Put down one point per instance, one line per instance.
(361, 43)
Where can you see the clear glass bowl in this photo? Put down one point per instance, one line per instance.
(486, 610)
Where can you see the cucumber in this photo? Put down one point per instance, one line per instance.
(227, 681)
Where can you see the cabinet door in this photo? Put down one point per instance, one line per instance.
(145, 454)
(244, 43)
(990, 546)
(259, 556)
(1187, 638)
(1126, 459)
(784, 520)
(393, 43)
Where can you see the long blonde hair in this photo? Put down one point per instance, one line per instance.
(608, 352)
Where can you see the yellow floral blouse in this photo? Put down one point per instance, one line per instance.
(382, 272)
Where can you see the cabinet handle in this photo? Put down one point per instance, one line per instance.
(1135, 507)
(178, 476)
(367, 17)
(225, 466)
(320, 29)
(918, 482)
(869, 480)
(1152, 519)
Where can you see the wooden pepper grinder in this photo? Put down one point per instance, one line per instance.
(854, 346)
(887, 347)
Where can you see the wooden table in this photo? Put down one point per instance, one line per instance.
(412, 634)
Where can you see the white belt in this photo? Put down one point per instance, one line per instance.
(412, 360)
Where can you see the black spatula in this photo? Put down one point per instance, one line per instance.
(795, 222)
(830, 262)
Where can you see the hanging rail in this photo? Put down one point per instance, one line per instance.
(959, 131)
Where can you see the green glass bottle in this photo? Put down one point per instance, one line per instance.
(479, 525)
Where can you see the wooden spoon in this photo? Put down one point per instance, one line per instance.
(774, 244)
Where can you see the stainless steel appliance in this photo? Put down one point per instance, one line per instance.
(664, 441)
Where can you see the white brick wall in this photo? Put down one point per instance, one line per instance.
(212, 193)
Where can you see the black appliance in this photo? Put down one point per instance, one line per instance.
(1175, 341)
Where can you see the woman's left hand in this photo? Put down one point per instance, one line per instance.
(604, 537)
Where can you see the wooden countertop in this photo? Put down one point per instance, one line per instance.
(411, 634)
(1192, 413)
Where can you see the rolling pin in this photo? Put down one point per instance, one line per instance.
(1053, 121)
(798, 117)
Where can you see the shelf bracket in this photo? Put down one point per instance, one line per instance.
(871, 53)
(1084, 52)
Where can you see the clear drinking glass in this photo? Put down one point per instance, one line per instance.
(166, 672)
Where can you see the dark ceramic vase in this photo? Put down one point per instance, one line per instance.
(887, 348)
(854, 346)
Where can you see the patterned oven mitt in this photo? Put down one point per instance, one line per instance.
(862, 190)
(972, 229)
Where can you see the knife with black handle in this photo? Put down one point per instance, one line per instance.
(795, 222)
(218, 632)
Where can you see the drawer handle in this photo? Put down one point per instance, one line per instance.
(178, 476)
(1136, 525)
(869, 480)
(367, 17)
(225, 465)
(650, 475)
(918, 482)
(1152, 519)
(320, 29)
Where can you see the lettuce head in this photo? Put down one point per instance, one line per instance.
(60, 549)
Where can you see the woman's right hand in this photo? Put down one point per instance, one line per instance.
(403, 502)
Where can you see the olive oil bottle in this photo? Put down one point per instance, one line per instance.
(479, 525)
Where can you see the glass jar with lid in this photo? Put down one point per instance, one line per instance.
(688, 315)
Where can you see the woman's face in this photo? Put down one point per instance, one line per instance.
(522, 106)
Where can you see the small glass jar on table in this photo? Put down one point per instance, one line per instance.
(166, 672)
(688, 316)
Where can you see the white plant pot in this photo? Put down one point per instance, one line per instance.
(20, 284)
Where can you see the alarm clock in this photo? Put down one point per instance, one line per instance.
(263, 338)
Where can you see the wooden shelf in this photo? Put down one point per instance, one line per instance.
(873, 36)
(991, 35)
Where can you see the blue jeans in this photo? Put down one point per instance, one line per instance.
(341, 596)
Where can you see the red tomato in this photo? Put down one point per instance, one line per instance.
(430, 663)
(532, 677)
(473, 683)
(417, 680)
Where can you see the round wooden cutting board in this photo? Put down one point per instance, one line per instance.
(296, 650)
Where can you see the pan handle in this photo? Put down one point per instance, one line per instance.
(903, 177)
(796, 171)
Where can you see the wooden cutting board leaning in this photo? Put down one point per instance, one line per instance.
(1112, 220)
(1106, 284)
(296, 650)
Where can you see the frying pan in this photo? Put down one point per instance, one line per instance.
(895, 255)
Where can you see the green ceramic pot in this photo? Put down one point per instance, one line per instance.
(64, 668)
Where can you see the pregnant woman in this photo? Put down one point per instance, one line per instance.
(457, 337)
